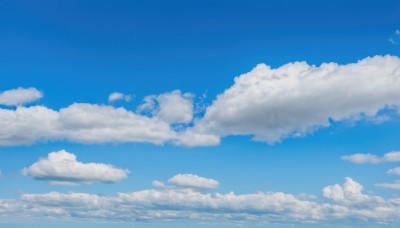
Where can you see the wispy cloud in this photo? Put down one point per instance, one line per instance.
(359, 158)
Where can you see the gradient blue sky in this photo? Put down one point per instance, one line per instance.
(81, 51)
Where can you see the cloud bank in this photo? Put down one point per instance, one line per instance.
(62, 168)
(345, 202)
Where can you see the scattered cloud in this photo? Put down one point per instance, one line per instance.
(341, 203)
(116, 96)
(269, 104)
(62, 168)
(359, 158)
(19, 96)
(188, 181)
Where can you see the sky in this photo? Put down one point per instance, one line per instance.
(199, 113)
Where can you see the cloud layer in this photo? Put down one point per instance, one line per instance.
(342, 202)
(62, 168)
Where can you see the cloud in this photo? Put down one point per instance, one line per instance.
(395, 171)
(395, 38)
(395, 185)
(173, 107)
(188, 181)
(359, 158)
(343, 203)
(296, 99)
(118, 96)
(19, 96)
(349, 193)
(62, 168)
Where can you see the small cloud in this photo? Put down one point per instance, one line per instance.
(395, 185)
(395, 171)
(116, 96)
(395, 38)
(187, 181)
(359, 158)
(62, 168)
(19, 96)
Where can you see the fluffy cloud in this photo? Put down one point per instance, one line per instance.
(173, 107)
(393, 156)
(118, 96)
(188, 181)
(62, 168)
(296, 99)
(19, 96)
(343, 203)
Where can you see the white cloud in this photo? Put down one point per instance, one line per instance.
(395, 185)
(62, 168)
(118, 96)
(362, 158)
(296, 99)
(173, 107)
(359, 158)
(19, 96)
(189, 181)
(395, 171)
(344, 203)
(349, 193)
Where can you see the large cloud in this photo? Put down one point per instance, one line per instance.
(62, 168)
(297, 98)
(19, 96)
(344, 203)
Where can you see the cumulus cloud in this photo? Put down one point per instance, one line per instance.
(62, 168)
(296, 99)
(395, 38)
(188, 181)
(345, 202)
(118, 96)
(173, 107)
(359, 158)
(19, 96)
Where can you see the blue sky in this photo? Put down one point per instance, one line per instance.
(178, 114)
